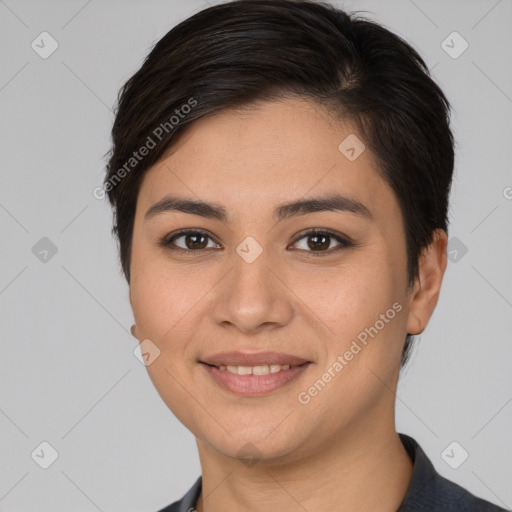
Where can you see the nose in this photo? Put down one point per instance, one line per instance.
(253, 296)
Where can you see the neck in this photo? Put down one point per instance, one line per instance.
(366, 470)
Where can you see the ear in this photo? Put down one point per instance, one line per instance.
(133, 328)
(423, 298)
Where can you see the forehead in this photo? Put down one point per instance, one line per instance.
(272, 152)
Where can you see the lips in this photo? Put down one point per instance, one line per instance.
(244, 382)
(252, 359)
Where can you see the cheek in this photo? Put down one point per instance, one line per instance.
(364, 310)
(350, 297)
(363, 305)
(160, 303)
(162, 295)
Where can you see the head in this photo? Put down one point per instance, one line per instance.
(237, 112)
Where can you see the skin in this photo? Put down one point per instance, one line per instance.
(340, 451)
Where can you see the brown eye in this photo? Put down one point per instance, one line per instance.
(320, 242)
(193, 240)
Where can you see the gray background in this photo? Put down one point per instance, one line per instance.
(68, 372)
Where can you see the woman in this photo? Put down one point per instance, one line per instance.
(280, 175)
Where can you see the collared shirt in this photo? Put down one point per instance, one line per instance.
(428, 491)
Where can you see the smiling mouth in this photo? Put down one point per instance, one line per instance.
(264, 369)
(254, 381)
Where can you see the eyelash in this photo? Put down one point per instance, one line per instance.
(344, 242)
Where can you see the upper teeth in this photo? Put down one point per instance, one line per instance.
(255, 370)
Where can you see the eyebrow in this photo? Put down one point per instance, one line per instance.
(334, 202)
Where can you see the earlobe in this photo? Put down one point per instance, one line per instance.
(432, 265)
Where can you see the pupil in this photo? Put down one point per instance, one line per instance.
(194, 237)
(323, 245)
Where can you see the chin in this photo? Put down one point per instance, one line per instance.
(256, 445)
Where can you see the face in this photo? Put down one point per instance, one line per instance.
(326, 286)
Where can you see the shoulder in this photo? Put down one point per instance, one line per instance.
(188, 502)
(173, 507)
(456, 498)
(429, 491)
